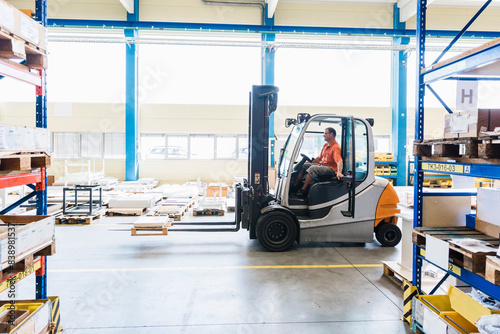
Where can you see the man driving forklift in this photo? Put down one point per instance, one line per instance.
(328, 164)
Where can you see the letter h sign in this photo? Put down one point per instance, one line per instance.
(467, 95)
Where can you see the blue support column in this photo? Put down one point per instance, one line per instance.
(268, 76)
(419, 135)
(41, 122)
(399, 91)
(131, 102)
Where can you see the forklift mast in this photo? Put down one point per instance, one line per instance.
(263, 102)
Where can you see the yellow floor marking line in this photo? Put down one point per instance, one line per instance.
(220, 267)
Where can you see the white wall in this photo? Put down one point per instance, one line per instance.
(189, 119)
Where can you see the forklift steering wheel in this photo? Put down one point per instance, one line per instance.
(305, 157)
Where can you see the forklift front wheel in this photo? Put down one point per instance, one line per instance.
(276, 231)
(388, 234)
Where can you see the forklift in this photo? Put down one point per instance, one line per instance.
(333, 210)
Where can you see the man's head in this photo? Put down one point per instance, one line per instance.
(329, 135)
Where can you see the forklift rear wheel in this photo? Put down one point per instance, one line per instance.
(389, 235)
(276, 231)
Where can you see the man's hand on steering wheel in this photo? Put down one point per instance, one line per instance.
(306, 157)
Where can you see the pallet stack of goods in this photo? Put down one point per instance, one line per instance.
(23, 149)
(132, 204)
(21, 38)
(213, 202)
(467, 135)
(24, 157)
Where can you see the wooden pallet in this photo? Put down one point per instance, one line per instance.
(446, 147)
(77, 220)
(14, 47)
(24, 161)
(208, 212)
(461, 256)
(138, 231)
(493, 269)
(126, 211)
(27, 262)
(435, 185)
(489, 148)
(396, 273)
(171, 211)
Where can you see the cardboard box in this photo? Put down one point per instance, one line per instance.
(214, 191)
(488, 202)
(448, 129)
(480, 121)
(9, 319)
(32, 233)
(470, 124)
(22, 25)
(441, 211)
(39, 318)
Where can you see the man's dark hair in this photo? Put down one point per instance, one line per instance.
(332, 130)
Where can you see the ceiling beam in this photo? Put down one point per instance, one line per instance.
(271, 8)
(408, 8)
(129, 5)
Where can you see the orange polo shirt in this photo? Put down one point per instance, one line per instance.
(330, 155)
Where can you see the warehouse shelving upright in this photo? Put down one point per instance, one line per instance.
(35, 180)
(453, 69)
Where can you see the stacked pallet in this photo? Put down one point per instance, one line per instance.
(132, 204)
(150, 226)
(468, 248)
(21, 38)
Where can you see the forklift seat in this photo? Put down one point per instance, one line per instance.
(324, 178)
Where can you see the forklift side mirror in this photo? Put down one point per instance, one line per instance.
(273, 103)
(290, 121)
(370, 121)
(303, 117)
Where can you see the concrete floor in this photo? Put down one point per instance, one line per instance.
(110, 282)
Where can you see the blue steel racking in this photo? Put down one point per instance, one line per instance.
(454, 69)
(37, 178)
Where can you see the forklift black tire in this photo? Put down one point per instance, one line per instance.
(276, 231)
(389, 235)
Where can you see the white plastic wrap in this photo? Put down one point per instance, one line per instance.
(485, 300)
(489, 324)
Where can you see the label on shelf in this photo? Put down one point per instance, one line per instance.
(448, 168)
(454, 269)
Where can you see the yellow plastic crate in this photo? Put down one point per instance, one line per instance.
(37, 309)
(458, 322)
(457, 306)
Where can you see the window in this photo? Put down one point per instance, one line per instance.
(226, 147)
(66, 145)
(153, 146)
(361, 147)
(178, 147)
(91, 145)
(319, 77)
(383, 144)
(95, 60)
(176, 78)
(242, 147)
(202, 147)
(114, 145)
